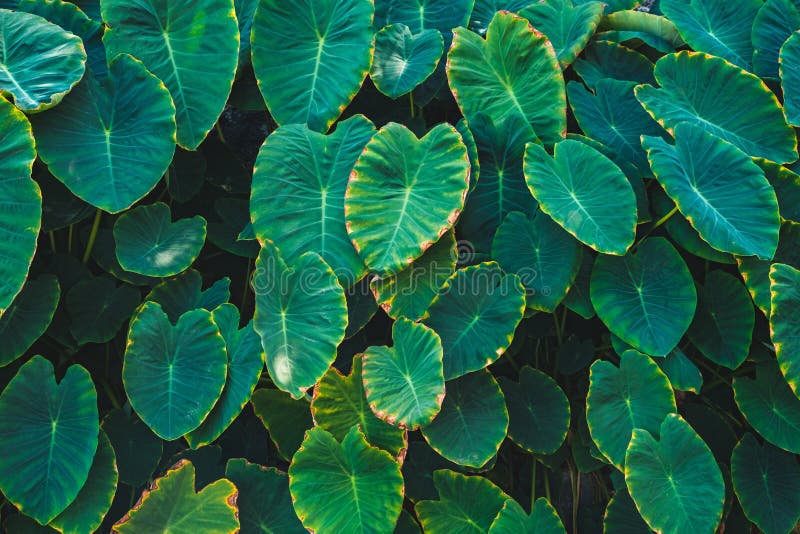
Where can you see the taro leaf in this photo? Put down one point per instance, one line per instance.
(245, 11)
(285, 418)
(192, 46)
(171, 505)
(21, 205)
(299, 183)
(769, 406)
(442, 15)
(675, 482)
(755, 272)
(404, 193)
(104, 253)
(111, 142)
(538, 411)
(472, 422)
(484, 10)
(767, 483)
(790, 77)
(264, 502)
(787, 186)
(774, 23)
(784, 320)
(466, 504)
(404, 383)
(647, 297)
(48, 437)
(687, 78)
(361, 306)
(245, 362)
(544, 256)
(637, 395)
(717, 27)
(327, 44)
(406, 524)
(639, 26)
(404, 60)
(568, 26)
(22, 524)
(136, 448)
(98, 308)
(234, 215)
(149, 243)
(472, 151)
(577, 298)
(40, 61)
(173, 375)
(476, 313)
(94, 499)
(621, 515)
(340, 402)
(186, 175)
(543, 519)
(185, 292)
(345, 487)
(683, 374)
(410, 292)
(301, 316)
(418, 467)
(513, 72)
(28, 317)
(584, 192)
(603, 59)
(723, 324)
(715, 191)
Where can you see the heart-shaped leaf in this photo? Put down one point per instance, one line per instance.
(774, 23)
(98, 308)
(607, 60)
(543, 519)
(185, 293)
(683, 374)
(790, 76)
(136, 448)
(285, 418)
(414, 187)
(403, 60)
(755, 272)
(28, 317)
(568, 25)
(173, 375)
(785, 316)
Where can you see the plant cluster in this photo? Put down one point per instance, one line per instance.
(441, 266)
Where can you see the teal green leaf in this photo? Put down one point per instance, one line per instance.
(404, 193)
(245, 11)
(403, 60)
(136, 448)
(621, 515)
(285, 418)
(638, 26)
(361, 307)
(185, 292)
(150, 243)
(585, 192)
(328, 44)
(234, 219)
(790, 77)
(544, 256)
(340, 402)
(301, 316)
(104, 253)
(775, 22)
(514, 71)
(567, 26)
(406, 524)
(466, 504)
(173, 375)
(784, 320)
(41, 62)
(365, 481)
(687, 78)
(476, 313)
(675, 482)
(538, 411)
(98, 308)
(192, 46)
(512, 519)
(683, 374)
(724, 195)
(28, 316)
(635, 395)
(473, 420)
(48, 434)
(577, 298)
(767, 483)
(787, 186)
(172, 505)
(647, 297)
(442, 15)
(605, 59)
(404, 383)
(472, 151)
(484, 10)
(245, 362)
(90, 139)
(297, 198)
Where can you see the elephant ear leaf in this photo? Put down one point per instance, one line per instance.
(404, 60)
(543, 519)
(784, 318)
(568, 26)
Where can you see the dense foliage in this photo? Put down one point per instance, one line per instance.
(452, 266)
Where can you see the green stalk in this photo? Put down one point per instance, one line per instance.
(533, 482)
(52, 241)
(90, 244)
(411, 102)
(657, 224)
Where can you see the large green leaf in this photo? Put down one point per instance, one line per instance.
(621, 514)
(604, 60)
(484, 10)
(787, 186)
(185, 292)
(297, 199)
(755, 272)
(48, 437)
(584, 192)
(442, 15)
(647, 297)
(136, 448)
(790, 77)
(173, 375)
(675, 481)
(403, 59)
(301, 316)
(191, 45)
(28, 317)
(473, 420)
(326, 43)
(171, 505)
(475, 314)
(636, 27)
(98, 308)
(404, 193)
(285, 418)
(784, 320)
(542, 254)
(687, 78)
(513, 72)
(683, 374)
(567, 26)
(775, 22)
(40, 62)
(110, 142)
(345, 487)
(723, 194)
(245, 362)
(538, 411)
(512, 519)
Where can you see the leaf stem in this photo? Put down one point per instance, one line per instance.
(52, 241)
(90, 244)
(575, 482)
(411, 103)
(110, 393)
(69, 239)
(657, 224)
(533, 482)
